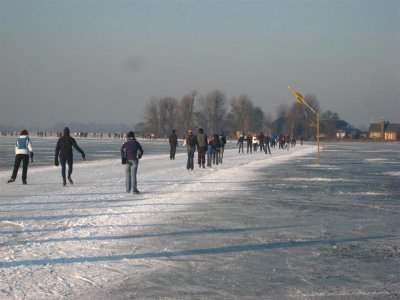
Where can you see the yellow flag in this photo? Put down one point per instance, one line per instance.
(298, 96)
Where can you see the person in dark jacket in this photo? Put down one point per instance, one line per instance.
(249, 140)
(131, 152)
(201, 147)
(173, 143)
(217, 146)
(261, 141)
(190, 143)
(222, 139)
(23, 149)
(240, 143)
(64, 153)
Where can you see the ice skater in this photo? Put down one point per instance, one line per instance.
(201, 147)
(173, 143)
(23, 149)
(64, 153)
(190, 143)
(131, 152)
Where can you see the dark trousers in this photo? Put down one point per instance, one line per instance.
(221, 154)
(63, 162)
(201, 151)
(241, 147)
(249, 147)
(172, 151)
(25, 161)
(190, 153)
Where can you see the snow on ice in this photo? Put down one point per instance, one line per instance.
(244, 229)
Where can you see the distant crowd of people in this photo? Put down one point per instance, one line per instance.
(210, 150)
(77, 134)
(265, 142)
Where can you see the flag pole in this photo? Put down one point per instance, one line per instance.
(300, 99)
(318, 138)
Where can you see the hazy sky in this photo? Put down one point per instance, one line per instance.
(101, 61)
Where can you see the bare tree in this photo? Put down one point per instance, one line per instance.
(150, 117)
(268, 120)
(311, 116)
(282, 110)
(185, 113)
(193, 94)
(214, 110)
(247, 117)
(168, 112)
(242, 113)
(330, 116)
(257, 120)
(296, 122)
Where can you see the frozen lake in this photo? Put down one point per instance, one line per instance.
(255, 227)
(95, 149)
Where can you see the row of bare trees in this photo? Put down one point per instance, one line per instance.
(215, 114)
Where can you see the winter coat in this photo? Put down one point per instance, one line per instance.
(131, 150)
(65, 144)
(190, 141)
(216, 142)
(23, 145)
(223, 141)
(173, 139)
(249, 140)
(202, 140)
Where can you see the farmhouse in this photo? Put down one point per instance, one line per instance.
(384, 131)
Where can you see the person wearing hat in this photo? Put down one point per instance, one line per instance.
(190, 143)
(64, 153)
(131, 152)
(23, 149)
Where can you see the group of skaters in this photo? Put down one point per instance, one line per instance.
(63, 155)
(210, 150)
(264, 142)
(131, 152)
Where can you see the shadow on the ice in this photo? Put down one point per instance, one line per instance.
(126, 203)
(111, 200)
(93, 201)
(200, 180)
(72, 216)
(55, 196)
(77, 227)
(193, 252)
(156, 235)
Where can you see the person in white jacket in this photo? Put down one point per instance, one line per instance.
(23, 150)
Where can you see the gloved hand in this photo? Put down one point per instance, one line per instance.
(56, 162)
(123, 161)
(140, 156)
(83, 156)
(31, 156)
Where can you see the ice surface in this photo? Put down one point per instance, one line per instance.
(254, 227)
